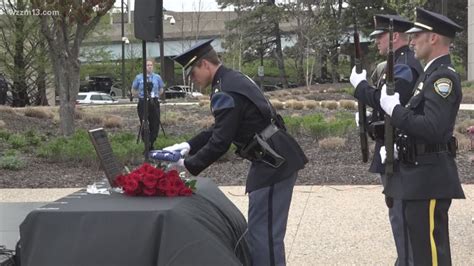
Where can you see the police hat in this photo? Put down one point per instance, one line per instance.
(381, 22)
(434, 22)
(189, 57)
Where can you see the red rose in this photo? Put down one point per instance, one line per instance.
(171, 192)
(130, 185)
(163, 184)
(136, 176)
(119, 180)
(185, 191)
(149, 191)
(177, 183)
(149, 181)
(158, 173)
(145, 167)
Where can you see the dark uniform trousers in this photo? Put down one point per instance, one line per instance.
(427, 178)
(426, 228)
(406, 70)
(267, 218)
(153, 118)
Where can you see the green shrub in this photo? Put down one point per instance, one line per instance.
(319, 127)
(76, 148)
(33, 138)
(11, 161)
(79, 148)
(17, 141)
(4, 135)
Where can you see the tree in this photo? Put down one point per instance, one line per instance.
(256, 28)
(23, 53)
(65, 25)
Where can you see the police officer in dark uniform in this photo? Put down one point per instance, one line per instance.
(155, 91)
(407, 69)
(244, 117)
(427, 179)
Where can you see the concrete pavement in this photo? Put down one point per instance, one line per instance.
(336, 225)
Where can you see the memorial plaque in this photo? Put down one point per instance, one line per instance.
(106, 157)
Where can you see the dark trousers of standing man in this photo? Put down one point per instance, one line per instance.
(426, 225)
(153, 118)
(396, 218)
(267, 219)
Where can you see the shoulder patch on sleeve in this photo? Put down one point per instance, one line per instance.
(402, 71)
(221, 100)
(443, 87)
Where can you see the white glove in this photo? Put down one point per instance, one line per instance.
(177, 165)
(183, 147)
(357, 118)
(383, 153)
(387, 102)
(357, 78)
(367, 114)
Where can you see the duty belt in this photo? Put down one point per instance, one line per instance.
(430, 148)
(269, 131)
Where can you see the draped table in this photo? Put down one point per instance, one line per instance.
(92, 229)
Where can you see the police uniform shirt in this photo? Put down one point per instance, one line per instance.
(237, 117)
(157, 85)
(429, 119)
(407, 70)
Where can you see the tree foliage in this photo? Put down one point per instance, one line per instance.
(66, 26)
(322, 31)
(24, 54)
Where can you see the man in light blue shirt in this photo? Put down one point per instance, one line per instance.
(153, 103)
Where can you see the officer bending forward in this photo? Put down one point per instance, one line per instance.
(243, 116)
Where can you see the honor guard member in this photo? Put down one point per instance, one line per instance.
(153, 103)
(407, 69)
(428, 177)
(244, 117)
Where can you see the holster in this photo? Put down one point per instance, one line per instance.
(376, 130)
(258, 149)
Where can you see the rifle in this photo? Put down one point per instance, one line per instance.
(390, 91)
(361, 106)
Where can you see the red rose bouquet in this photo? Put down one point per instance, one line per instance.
(150, 181)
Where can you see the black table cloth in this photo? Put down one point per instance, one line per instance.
(84, 229)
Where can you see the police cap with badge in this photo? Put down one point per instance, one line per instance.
(381, 23)
(427, 21)
(191, 56)
(434, 22)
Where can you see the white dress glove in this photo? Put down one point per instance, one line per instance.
(177, 165)
(367, 114)
(183, 147)
(387, 102)
(383, 153)
(356, 78)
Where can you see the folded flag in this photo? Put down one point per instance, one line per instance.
(169, 156)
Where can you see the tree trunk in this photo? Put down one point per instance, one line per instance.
(67, 80)
(279, 57)
(20, 93)
(41, 85)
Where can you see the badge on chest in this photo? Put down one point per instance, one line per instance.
(443, 87)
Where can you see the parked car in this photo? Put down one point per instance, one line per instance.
(97, 83)
(116, 89)
(94, 97)
(172, 93)
(290, 85)
(186, 89)
(267, 87)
